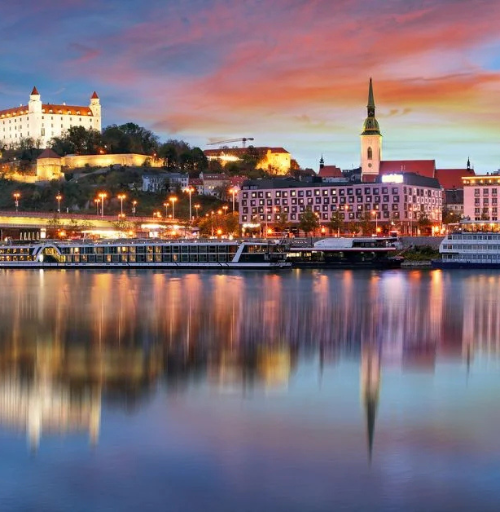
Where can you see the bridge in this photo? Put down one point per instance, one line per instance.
(35, 225)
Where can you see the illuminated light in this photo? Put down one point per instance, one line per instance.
(392, 178)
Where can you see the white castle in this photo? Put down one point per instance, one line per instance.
(43, 121)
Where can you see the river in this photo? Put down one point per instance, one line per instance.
(249, 391)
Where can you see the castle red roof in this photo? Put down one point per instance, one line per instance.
(94, 96)
(49, 108)
(330, 171)
(48, 153)
(422, 167)
(452, 178)
(72, 110)
(35, 91)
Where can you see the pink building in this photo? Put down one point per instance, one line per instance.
(394, 199)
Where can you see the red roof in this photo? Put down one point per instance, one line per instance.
(16, 111)
(72, 110)
(452, 178)
(422, 167)
(48, 153)
(330, 171)
(35, 91)
(94, 96)
(49, 108)
(237, 181)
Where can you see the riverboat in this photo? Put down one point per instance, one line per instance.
(469, 249)
(357, 252)
(138, 253)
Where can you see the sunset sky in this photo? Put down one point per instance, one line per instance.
(291, 73)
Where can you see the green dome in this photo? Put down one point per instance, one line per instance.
(370, 127)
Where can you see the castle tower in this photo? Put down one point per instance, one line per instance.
(95, 106)
(371, 142)
(35, 103)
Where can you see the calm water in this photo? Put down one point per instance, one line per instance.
(300, 391)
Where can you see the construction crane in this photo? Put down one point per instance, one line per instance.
(243, 140)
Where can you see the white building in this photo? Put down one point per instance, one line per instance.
(43, 121)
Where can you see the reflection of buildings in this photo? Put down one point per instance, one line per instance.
(70, 340)
(43, 406)
(370, 389)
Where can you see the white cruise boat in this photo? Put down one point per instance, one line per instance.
(362, 252)
(469, 249)
(138, 253)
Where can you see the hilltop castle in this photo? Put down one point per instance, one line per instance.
(43, 121)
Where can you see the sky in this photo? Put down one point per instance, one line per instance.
(290, 73)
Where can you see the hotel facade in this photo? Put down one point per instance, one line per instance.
(400, 200)
(481, 197)
(43, 121)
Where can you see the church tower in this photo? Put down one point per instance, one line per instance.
(371, 142)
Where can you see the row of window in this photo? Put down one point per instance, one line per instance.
(472, 247)
(385, 215)
(340, 191)
(152, 249)
(486, 191)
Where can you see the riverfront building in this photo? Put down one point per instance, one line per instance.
(481, 195)
(400, 200)
(43, 121)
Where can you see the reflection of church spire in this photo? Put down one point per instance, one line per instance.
(370, 388)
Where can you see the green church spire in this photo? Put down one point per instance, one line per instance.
(370, 126)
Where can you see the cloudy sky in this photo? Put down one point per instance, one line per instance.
(291, 73)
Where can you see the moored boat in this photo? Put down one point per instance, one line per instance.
(469, 249)
(357, 252)
(139, 253)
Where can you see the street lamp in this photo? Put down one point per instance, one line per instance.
(58, 199)
(233, 191)
(173, 199)
(134, 204)
(189, 190)
(166, 209)
(225, 207)
(121, 197)
(102, 196)
(16, 196)
(375, 214)
(197, 206)
(97, 201)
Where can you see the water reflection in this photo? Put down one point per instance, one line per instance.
(73, 340)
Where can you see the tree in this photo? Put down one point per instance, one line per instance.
(78, 140)
(450, 217)
(336, 222)
(129, 138)
(423, 222)
(308, 221)
(282, 223)
(365, 223)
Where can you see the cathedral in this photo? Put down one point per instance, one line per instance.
(43, 121)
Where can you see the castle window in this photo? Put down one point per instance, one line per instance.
(370, 153)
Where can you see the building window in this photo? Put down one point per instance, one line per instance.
(369, 153)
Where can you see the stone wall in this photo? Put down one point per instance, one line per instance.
(130, 160)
